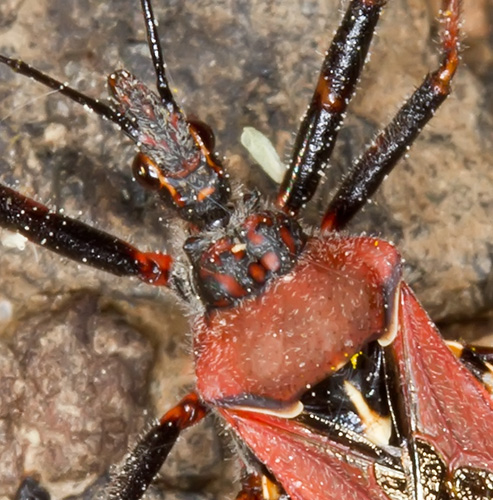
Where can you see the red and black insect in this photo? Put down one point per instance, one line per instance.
(310, 347)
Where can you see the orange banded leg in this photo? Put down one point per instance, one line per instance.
(142, 464)
(78, 241)
(336, 85)
(392, 143)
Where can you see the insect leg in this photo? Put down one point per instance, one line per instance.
(477, 359)
(142, 464)
(98, 107)
(392, 142)
(30, 489)
(78, 241)
(257, 486)
(336, 84)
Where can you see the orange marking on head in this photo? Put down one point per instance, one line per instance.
(205, 193)
(209, 157)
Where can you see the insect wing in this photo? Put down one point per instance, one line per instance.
(446, 413)
(309, 466)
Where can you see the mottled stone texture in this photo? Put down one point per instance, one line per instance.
(80, 376)
(84, 353)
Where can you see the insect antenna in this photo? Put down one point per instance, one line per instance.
(156, 51)
(95, 105)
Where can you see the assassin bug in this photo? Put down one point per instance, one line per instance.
(262, 400)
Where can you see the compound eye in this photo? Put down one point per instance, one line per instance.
(204, 132)
(146, 172)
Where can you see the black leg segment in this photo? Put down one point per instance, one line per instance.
(78, 241)
(336, 84)
(391, 143)
(98, 107)
(143, 463)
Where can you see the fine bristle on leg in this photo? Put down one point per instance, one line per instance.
(390, 145)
